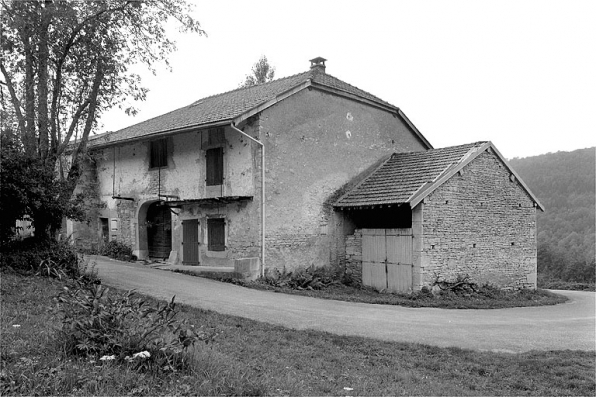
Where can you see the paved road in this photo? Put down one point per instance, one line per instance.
(566, 326)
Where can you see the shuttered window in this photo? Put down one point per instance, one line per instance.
(159, 154)
(216, 136)
(214, 166)
(216, 237)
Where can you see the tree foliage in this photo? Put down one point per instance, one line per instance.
(30, 190)
(564, 182)
(65, 62)
(262, 72)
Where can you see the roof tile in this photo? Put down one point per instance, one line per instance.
(226, 106)
(396, 180)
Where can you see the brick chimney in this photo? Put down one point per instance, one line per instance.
(318, 64)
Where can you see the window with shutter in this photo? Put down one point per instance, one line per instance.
(214, 166)
(216, 136)
(216, 238)
(159, 154)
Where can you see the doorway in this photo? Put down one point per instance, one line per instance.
(190, 242)
(159, 231)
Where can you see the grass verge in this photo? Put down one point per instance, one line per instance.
(485, 298)
(252, 358)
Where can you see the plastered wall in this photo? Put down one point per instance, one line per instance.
(316, 143)
(123, 171)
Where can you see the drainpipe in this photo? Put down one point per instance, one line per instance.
(262, 194)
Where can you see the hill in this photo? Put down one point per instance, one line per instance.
(564, 182)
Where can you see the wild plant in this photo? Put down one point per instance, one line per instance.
(120, 326)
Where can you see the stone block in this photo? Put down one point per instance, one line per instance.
(247, 268)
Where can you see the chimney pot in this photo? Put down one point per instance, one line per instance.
(318, 64)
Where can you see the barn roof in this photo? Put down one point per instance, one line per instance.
(239, 104)
(410, 177)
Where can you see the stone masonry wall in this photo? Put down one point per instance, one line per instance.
(480, 223)
(353, 258)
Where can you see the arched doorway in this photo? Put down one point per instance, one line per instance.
(159, 231)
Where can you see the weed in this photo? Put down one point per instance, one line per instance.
(55, 259)
(117, 250)
(120, 326)
(309, 278)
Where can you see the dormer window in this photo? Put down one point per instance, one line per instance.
(158, 153)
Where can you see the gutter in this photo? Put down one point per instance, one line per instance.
(262, 194)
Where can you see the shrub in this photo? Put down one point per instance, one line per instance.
(117, 250)
(302, 278)
(98, 323)
(46, 258)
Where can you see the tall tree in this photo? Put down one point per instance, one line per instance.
(65, 62)
(262, 72)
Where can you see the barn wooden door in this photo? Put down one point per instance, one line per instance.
(387, 259)
(190, 242)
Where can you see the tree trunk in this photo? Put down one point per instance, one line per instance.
(42, 82)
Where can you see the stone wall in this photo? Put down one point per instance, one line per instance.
(353, 258)
(480, 223)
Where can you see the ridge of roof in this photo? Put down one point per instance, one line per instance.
(198, 101)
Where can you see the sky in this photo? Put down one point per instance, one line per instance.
(521, 74)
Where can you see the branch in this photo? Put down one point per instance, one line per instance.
(82, 146)
(16, 104)
(59, 65)
(71, 128)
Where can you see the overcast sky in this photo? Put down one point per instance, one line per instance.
(521, 74)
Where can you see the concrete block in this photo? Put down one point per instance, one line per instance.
(248, 268)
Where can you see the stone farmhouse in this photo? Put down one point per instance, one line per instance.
(309, 170)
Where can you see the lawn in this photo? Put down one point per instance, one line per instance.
(252, 358)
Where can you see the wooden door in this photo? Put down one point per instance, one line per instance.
(190, 242)
(387, 259)
(373, 258)
(159, 231)
(399, 259)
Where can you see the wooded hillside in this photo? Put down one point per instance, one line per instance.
(564, 182)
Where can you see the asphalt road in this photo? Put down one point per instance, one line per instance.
(570, 325)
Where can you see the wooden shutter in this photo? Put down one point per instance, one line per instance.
(216, 136)
(216, 234)
(214, 166)
(159, 153)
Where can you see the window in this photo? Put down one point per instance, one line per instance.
(216, 136)
(159, 154)
(216, 236)
(214, 166)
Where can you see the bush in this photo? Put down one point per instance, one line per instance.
(302, 278)
(45, 258)
(117, 250)
(120, 326)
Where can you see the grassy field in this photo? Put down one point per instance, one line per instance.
(251, 358)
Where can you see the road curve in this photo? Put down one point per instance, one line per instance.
(570, 325)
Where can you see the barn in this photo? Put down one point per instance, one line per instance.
(434, 215)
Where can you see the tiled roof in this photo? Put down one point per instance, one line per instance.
(404, 174)
(227, 106)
